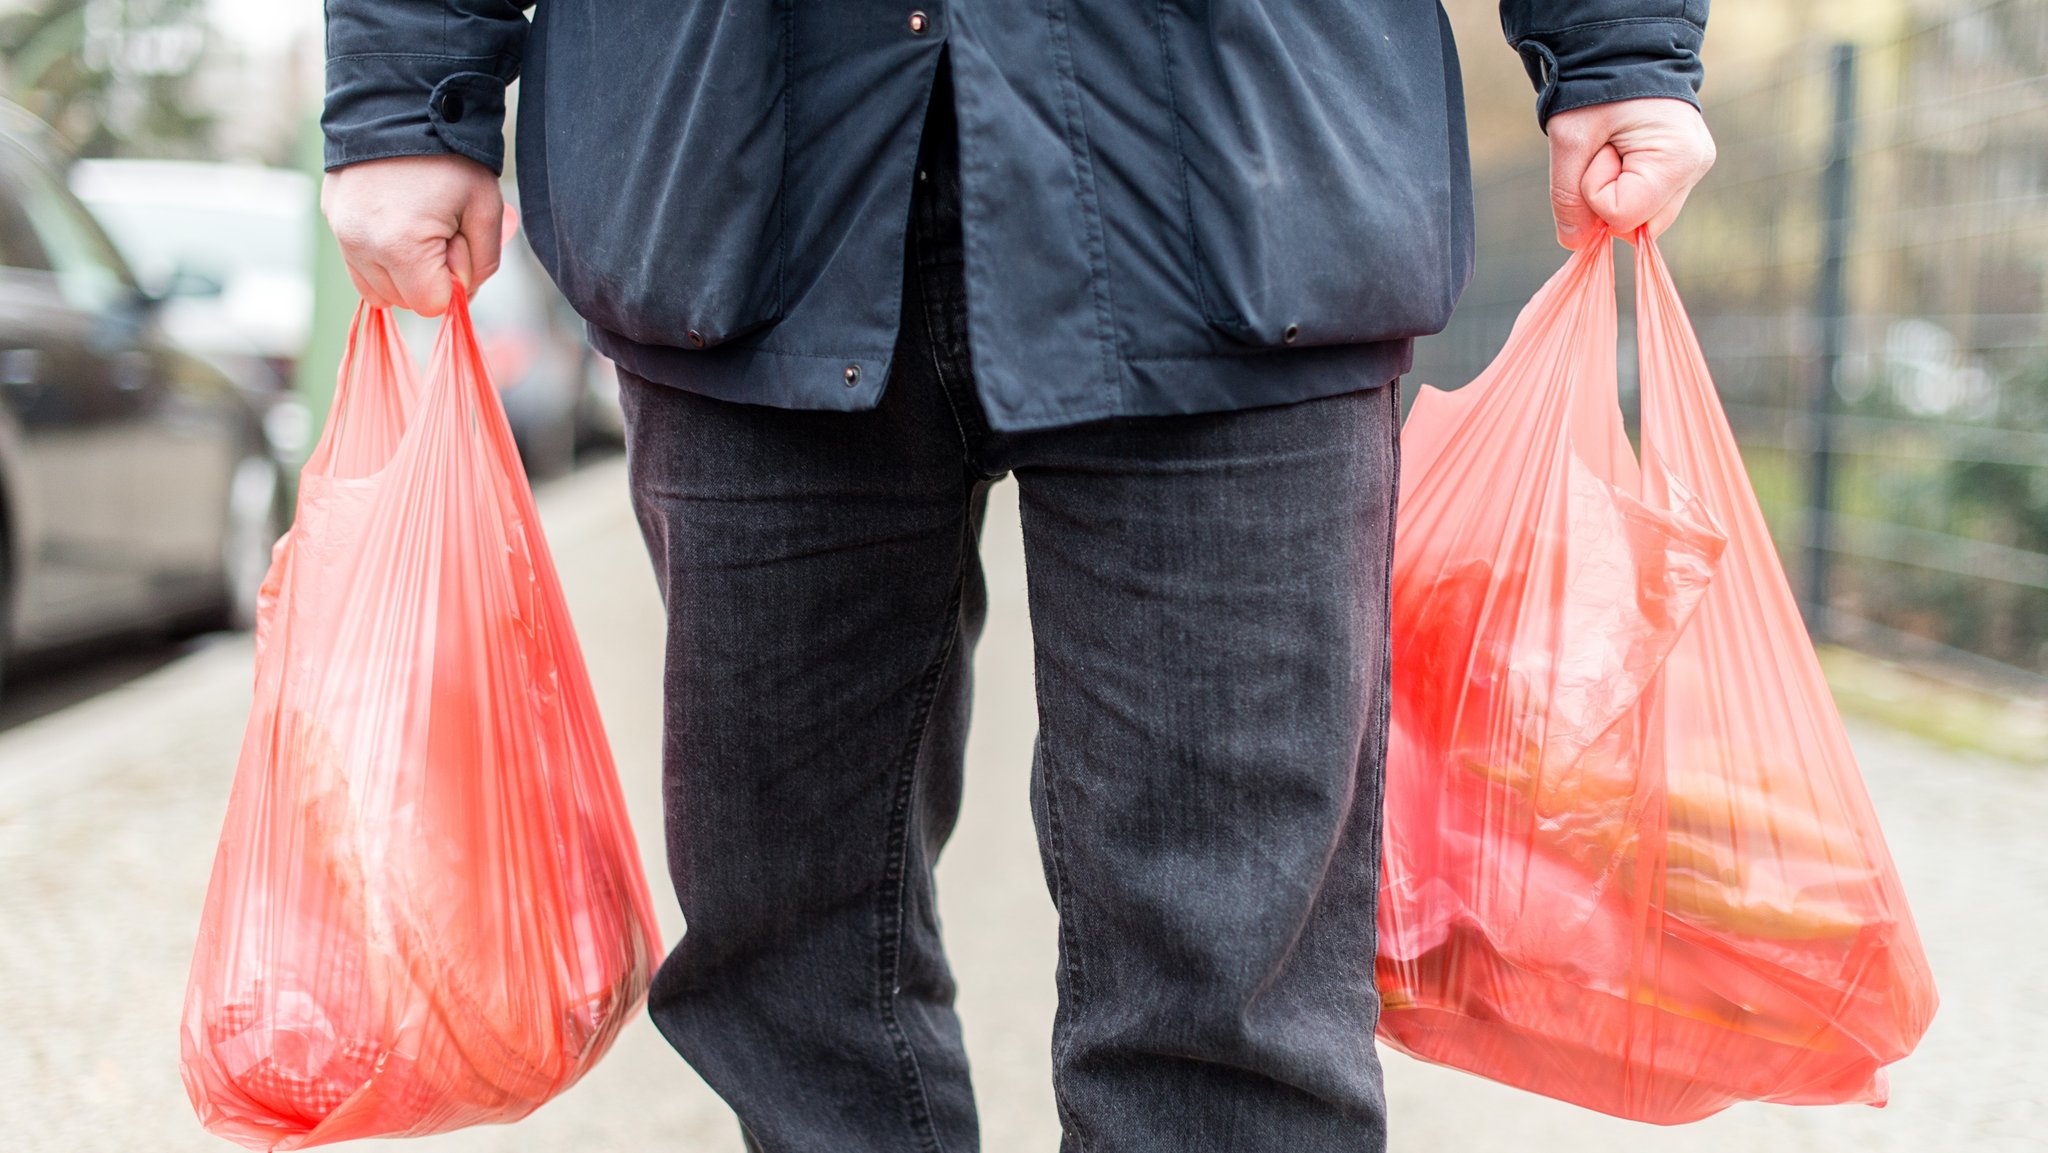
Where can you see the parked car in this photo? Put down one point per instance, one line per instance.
(137, 486)
(228, 250)
(227, 247)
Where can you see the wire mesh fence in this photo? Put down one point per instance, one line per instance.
(1935, 543)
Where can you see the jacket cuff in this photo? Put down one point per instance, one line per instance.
(1612, 60)
(415, 105)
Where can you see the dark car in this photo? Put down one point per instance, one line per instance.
(137, 489)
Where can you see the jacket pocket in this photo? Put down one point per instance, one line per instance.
(660, 215)
(1322, 166)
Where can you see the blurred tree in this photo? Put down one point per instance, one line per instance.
(2005, 502)
(114, 77)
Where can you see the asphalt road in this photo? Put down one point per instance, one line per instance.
(109, 808)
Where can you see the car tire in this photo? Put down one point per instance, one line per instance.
(6, 619)
(254, 520)
(8, 589)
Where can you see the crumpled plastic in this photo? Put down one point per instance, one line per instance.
(427, 910)
(1629, 860)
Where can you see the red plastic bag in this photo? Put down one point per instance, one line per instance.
(426, 909)
(1629, 860)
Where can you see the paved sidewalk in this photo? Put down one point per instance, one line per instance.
(109, 810)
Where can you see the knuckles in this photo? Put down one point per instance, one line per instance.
(1571, 133)
(1706, 153)
(1566, 189)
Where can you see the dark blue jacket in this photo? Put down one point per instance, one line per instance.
(1180, 206)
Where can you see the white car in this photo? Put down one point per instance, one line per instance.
(228, 248)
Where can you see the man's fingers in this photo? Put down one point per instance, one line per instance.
(1571, 154)
(370, 295)
(1636, 190)
(398, 273)
(459, 262)
(374, 284)
(1633, 160)
(1599, 176)
(422, 278)
(481, 237)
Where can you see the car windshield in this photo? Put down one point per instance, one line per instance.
(160, 239)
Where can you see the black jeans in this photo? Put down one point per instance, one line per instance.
(1209, 599)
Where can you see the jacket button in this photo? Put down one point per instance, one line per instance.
(451, 107)
(852, 375)
(696, 339)
(1292, 334)
(919, 22)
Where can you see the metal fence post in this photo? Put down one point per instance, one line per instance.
(1828, 309)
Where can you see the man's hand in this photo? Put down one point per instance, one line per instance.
(1626, 164)
(407, 222)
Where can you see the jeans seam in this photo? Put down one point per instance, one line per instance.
(945, 377)
(895, 879)
(1070, 953)
(1383, 709)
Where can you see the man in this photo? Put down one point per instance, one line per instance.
(858, 260)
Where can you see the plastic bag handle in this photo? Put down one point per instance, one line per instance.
(458, 360)
(344, 378)
(374, 395)
(1685, 429)
(458, 364)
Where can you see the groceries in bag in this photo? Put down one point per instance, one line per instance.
(427, 910)
(1629, 860)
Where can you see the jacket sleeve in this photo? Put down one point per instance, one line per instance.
(1581, 52)
(420, 77)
